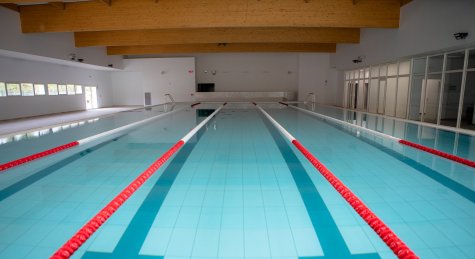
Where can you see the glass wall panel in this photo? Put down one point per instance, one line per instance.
(390, 100)
(366, 73)
(392, 69)
(382, 94)
(361, 95)
(468, 114)
(415, 102)
(361, 73)
(455, 61)
(402, 91)
(436, 63)
(450, 99)
(404, 67)
(374, 71)
(373, 96)
(419, 66)
(471, 58)
(431, 93)
(383, 70)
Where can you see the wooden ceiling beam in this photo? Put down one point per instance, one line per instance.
(222, 47)
(59, 5)
(217, 35)
(22, 1)
(107, 2)
(13, 7)
(166, 14)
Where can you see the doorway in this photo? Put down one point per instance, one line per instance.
(430, 100)
(90, 93)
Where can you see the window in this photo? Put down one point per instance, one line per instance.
(404, 67)
(62, 89)
(78, 89)
(52, 89)
(471, 58)
(435, 63)
(13, 89)
(3, 90)
(419, 66)
(455, 61)
(40, 89)
(374, 71)
(392, 69)
(71, 89)
(27, 89)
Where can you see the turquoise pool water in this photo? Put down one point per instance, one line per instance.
(239, 190)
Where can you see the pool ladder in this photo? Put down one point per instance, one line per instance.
(170, 100)
(310, 101)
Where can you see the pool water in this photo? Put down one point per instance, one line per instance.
(238, 189)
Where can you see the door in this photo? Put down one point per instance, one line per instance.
(430, 100)
(90, 93)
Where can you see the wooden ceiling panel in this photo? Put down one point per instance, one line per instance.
(216, 48)
(166, 14)
(217, 35)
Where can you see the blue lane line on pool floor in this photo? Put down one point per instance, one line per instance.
(132, 240)
(24, 183)
(331, 241)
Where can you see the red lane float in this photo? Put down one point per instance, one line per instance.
(90, 227)
(79, 142)
(193, 105)
(37, 156)
(400, 249)
(438, 153)
(286, 104)
(93, 224)
(400, 141)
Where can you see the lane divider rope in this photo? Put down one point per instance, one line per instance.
(39, 155)
(399, 248)
(436, 152)
(83, 141)
(78, 239)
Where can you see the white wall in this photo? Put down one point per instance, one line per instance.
(53, 45)
(425, 26)
(16, 70)
(248, 71)
(316, 76)
(159, 76)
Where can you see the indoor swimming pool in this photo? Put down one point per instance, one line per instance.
(238, 188)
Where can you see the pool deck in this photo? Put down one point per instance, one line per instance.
(8, 127)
